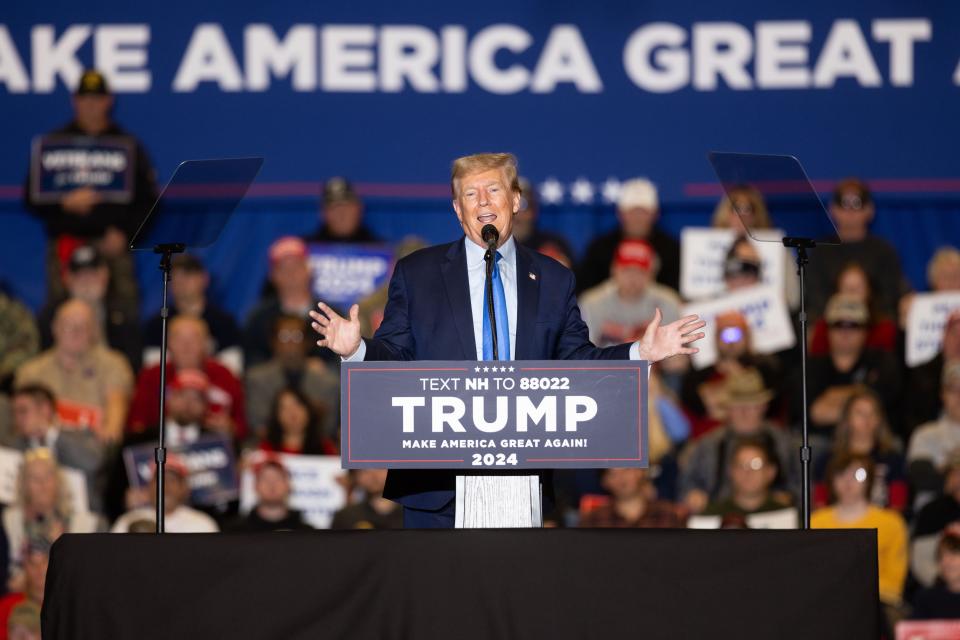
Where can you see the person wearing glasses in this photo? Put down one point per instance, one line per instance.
(852, 210)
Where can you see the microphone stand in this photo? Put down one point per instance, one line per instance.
(802, 245)
(491, 258)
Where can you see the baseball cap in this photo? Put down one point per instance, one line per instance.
(846, 310)
(85, 257)
(270, 460)
(638, 192)
(92, 82)
(287, 247)
(338, 189)
(190, 379)
(634, 253)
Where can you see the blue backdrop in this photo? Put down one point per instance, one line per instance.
(388, 94)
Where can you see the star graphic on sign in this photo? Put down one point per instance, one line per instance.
(486, 369)
(581, 192)
(611, 190)
(503, 369)
(510, 369)
(551, 191)
(477, 369)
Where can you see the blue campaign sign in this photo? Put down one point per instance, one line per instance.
(346, 273)
(210, 460)
(494, 415)
(63, 163)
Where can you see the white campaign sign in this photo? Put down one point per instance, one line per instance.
(928, 314)
(703, 250)
(766, 312)
(314, 487)
(10, 461)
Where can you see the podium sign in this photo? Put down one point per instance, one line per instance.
(494, 415)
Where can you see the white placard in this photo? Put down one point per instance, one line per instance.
(702, 253)
(765, 310)
(315, 490)
(10, 461)
(779, 519)
(928, 314)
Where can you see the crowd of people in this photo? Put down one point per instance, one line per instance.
(80, 385)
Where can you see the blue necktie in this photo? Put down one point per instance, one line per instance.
(500, 308)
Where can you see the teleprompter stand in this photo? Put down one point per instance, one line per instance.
(192, 210)
(797, 209)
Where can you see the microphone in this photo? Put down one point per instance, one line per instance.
(491, 236)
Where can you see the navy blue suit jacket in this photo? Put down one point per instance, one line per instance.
(428, 317)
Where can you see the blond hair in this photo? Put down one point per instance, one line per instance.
(724, 211)
(941, 259)
(43, 455)
(479, 162)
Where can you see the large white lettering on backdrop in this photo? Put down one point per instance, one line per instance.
(365, 58)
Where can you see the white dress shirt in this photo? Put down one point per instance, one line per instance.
(476, 276)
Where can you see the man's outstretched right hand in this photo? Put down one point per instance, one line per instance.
(339, 334)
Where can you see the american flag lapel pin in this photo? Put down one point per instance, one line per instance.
(532, 275)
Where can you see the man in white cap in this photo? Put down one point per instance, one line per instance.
(638, 209)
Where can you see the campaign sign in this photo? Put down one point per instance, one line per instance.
(62, 163)
(925, 321)
(346, 273)
(315, 487)
(494, 415)
(704, 249)
(766, 312)
(210, 459)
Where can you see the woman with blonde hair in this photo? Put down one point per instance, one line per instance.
(45, 509)
(743, 208)
(748, 203)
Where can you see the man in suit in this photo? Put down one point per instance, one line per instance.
(436, 306)
(35, 419)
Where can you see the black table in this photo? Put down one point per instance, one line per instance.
(465, 584)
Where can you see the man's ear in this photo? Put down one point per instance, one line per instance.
(456, 209)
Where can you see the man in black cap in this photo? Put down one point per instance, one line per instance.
(88, 278)
(341, 215)
(82, 216)
(189, 282)
(852, 210)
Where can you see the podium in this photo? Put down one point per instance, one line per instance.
(491, 421)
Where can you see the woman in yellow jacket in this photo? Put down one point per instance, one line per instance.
(850, 478)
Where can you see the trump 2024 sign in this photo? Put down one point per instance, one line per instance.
(494, 415)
